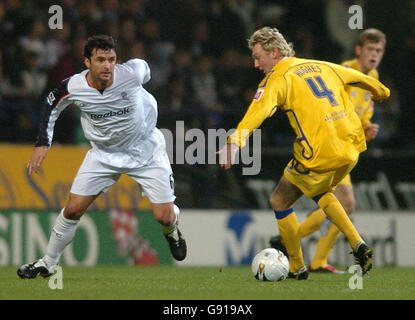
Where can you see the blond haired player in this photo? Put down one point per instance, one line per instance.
(369, 52)
(329, 136)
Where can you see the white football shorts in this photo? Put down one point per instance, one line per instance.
(155, 178)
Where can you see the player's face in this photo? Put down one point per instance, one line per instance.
(263, 60)
(370, 54)
(101, 65)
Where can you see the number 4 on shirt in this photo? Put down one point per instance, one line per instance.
(320, 89)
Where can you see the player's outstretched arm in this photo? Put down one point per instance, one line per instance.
(54, 104)
(35, 161)
(355, 78)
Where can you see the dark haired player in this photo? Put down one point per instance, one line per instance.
(119, 119)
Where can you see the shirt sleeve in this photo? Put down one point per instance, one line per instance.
(269, 95)
(355, 78)
(367, 116)
(140, 68)
(56, 101)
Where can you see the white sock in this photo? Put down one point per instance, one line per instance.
(172, 229)
(360, 242)
(61, 235)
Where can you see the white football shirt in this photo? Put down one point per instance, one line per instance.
(120, 122)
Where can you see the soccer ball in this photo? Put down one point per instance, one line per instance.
(270, 265)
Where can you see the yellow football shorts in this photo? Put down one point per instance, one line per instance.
(313, 183)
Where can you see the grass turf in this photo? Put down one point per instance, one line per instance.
(202, 283)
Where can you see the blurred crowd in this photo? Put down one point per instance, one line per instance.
(202, 71)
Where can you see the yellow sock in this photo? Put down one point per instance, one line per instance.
(288, 227)
(312, 223)
(335, 212)
(324, 246)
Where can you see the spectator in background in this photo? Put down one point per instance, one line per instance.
(68, 64)
(33, 41)
(2, 36)
(337, 15)
(58, 44)
(110, 10)
(14, 20)
(3, 111)
(3, 27)
(90, 11)
(245, 10)
(34, 81)
(231, 78)
(128, 37)
(200, 39)
(204, 83)
(34, 78)
(159, 52)
(22, 98)
(387, 116)
(113, 27)
(227, 28)
(181, 63)
(174, 98)
(139, 50)
(132, 8)
(303, 36)
(71, 13)
(177, 104)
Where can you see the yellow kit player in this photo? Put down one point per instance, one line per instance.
(369, 52)
(329, 136)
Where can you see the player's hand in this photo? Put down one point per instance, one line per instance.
(36, 159)
(371, 131)
(227, 155)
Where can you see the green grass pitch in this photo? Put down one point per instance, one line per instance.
(203, 283)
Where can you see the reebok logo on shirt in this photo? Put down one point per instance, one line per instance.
(96, 116)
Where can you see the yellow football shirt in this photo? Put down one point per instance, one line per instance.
(312, 93)
(361, 98)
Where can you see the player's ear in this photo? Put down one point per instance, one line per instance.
(275, 53)
(357, 50)
(87, 62)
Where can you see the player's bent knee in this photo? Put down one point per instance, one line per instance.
(345, 196)
(274, 203)
(73, 212)
(349, 206)
(277, 204)
(165, 217)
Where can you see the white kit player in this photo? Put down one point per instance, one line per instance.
(119, 119)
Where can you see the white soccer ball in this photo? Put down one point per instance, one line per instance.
(270, 265)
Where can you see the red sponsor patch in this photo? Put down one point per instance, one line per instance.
(258, 94)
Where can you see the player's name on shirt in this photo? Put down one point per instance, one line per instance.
(303, 70)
